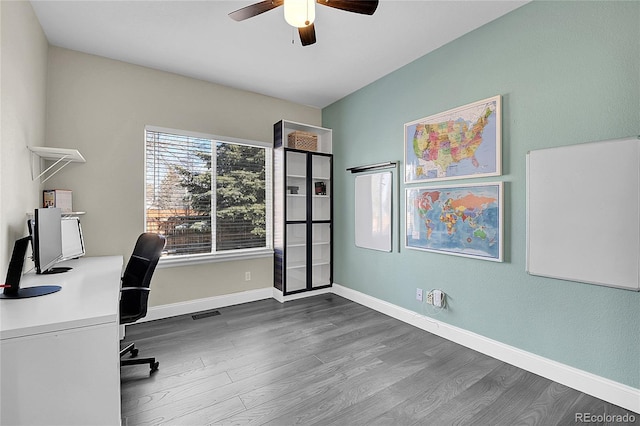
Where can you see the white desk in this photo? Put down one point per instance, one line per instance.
(59, 353)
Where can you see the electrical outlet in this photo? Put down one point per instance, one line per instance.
(247, 276)
(438, 298)
(419, 294)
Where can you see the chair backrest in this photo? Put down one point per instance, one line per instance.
(137, 274)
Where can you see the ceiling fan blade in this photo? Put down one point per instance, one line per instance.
(255, 9)
(307, 35)
(365, 7)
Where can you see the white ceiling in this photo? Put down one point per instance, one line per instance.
(197, 39)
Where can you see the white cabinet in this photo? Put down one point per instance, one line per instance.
(60, 360)
(303, 210)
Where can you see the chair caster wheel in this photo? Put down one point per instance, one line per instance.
(134, 353)
(154, 366)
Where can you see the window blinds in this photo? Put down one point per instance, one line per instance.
(206, 195)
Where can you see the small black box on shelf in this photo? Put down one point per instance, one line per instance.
(321, 188)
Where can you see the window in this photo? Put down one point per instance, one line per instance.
(209, 196)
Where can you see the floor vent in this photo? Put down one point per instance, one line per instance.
(205, 315)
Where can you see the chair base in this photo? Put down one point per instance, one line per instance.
(153, 364)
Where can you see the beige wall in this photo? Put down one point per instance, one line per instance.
(100, 106)
(23, 70)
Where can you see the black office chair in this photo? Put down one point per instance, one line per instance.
(134, 294)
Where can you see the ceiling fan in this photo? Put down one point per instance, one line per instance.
(301, 13)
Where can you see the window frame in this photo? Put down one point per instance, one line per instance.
(226, 255)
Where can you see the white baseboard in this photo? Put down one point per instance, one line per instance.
(199, 305)
(600, 387)
(277, 294)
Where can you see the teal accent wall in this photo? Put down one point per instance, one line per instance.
(568, 73)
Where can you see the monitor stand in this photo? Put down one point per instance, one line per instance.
(11, 286)
(25, 292)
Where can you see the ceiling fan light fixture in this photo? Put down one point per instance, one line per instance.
(299, 13)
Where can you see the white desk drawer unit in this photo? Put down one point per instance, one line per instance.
(59, 353)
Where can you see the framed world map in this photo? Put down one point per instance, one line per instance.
(460, 143)
(465, 220)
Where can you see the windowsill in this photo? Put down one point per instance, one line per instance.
(196, 259)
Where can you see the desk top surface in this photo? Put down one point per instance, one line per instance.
(89, 296)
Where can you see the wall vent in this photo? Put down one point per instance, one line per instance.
(206, 314)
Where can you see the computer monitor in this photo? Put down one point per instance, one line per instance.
(11, 286)
(72, 240)
(47, 240)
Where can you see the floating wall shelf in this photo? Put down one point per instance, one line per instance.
(60, 156)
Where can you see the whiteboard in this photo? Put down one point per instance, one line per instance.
(373, 211)
(583, 214)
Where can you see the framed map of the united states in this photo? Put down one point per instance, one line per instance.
(463, 142)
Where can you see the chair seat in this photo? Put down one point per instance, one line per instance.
(128, 318)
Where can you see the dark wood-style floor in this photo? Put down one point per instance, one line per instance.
(325, 360)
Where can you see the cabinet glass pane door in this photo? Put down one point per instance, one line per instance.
(296, 189)
(296, 259)
(321, 255)
(321, 187)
